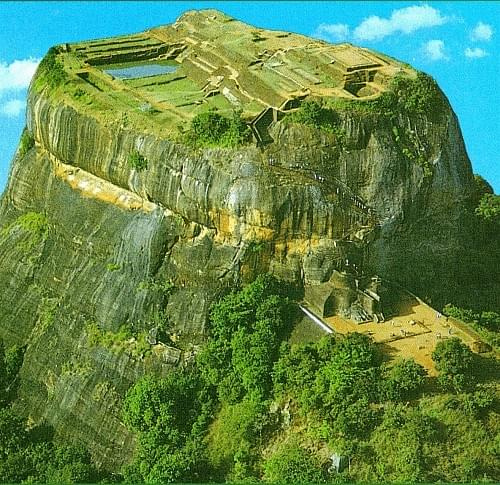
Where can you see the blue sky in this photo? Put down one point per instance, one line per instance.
(458, 43)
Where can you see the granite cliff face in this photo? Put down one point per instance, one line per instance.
(90, 244)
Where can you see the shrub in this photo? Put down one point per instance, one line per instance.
(211, 129)
(311, 113)
(256, 247)
(113, 267)
(26, 143)
(51, 70)
(315, 114)
(79, 93)
(123, 340)
(35, 223)
(463, 314)
(293, 464)
(137, 161)
(35, 227)
(412, 96)
(164, 287)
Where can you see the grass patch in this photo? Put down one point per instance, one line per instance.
(113, 267)
(46, 315)
(137, 161)
(35, 227)
(122, 341)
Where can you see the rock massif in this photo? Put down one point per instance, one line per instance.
(97, 256)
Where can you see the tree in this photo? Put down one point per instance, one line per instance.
(403, 379)
(62, 464)
(350, 374)
(50, 70)
(168, 404)
(3, 374)
(453, 360)
(246, 328)
(482, 187)
(13, 436)
(170, 417)
(31, 455)
(489, 207)
(296, 369)
(26, 143)
(10, 363)
(490, 320)
(346, 384)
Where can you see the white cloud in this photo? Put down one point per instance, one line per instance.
(404, 20)
(434, 50)
(475, 53)
(482, 32)
(12, 108)
(17, 75)
(333, 32)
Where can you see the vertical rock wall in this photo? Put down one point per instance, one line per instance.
(200, 221)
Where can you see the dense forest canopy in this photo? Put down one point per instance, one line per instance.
(253, 407)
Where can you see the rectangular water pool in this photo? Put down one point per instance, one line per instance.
(141, 70)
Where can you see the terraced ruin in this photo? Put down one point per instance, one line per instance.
(221, 63)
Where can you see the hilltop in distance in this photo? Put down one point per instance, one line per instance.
(162, 169)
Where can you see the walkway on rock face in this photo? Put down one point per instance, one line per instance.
(317, 320)
(342, 191)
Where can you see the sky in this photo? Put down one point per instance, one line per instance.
(458, 43)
